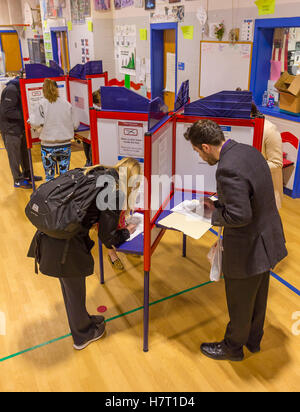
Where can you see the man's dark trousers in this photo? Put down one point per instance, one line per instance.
(247, 304)
(17, 155)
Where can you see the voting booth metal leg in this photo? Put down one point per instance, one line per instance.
(146, 311)
(101, 262)
(184, 245)
(31, 169)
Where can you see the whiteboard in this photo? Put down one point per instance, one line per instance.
(224, 66)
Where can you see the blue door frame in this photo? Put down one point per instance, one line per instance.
(262, 52)
(260, 73)
(54, 42)
(157, 57)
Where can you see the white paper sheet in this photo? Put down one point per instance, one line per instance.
(170, 85)
(192, 209)
(137, 219)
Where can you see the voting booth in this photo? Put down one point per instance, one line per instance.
(171, 168)
(118, 128)
(77, 90)
(32, 93)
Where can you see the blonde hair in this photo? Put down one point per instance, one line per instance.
(50, 90)
(97, 97)
(133, 170)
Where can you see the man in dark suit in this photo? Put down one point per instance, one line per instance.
(253, 238)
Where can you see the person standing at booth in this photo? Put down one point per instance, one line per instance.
(13, 133)
(56, 116)
(273, 153)
(71, 260)
(253, 238)
(87, 146)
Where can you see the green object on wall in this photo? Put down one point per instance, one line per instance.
(127, 81)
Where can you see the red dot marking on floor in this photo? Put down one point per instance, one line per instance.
(102, 309)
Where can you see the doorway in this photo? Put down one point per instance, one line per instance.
(164, 62)
(11, 51)
(60, 47)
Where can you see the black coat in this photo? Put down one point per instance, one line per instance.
(73, 258)
(253, 235)
(11, 112)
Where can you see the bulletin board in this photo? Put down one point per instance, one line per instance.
(224, 65)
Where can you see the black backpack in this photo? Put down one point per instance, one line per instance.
(58, 207)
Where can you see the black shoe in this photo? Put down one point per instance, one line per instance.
(219, 351)
(99, 332)
(23, 184)
(36, 178)
(253, 349)
(97, 319)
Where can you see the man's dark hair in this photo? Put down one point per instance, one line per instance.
(205, 132)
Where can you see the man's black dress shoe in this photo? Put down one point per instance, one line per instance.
(220, 351)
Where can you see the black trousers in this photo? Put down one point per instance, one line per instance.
(81, 324)
(88, 153)
(17, 153)
(247, 304)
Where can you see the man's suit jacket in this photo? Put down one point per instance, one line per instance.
(253, 236)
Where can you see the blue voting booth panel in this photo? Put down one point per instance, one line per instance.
(40, 71)
(183, 96)
(123, 100)
(157, 111)
(226, 104)
(55, 66)
(80, 71)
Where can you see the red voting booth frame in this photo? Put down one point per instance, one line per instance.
(66, 79)
(150, 222)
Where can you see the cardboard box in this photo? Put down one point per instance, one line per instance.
(289, 89)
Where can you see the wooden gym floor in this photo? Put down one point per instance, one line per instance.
(36, 352)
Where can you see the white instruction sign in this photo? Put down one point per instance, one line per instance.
(131, 139)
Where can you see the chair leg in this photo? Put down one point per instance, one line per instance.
(101, 266)
(146, 311)
(184, 245)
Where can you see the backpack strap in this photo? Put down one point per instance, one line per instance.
(37, 253)
(65, 252)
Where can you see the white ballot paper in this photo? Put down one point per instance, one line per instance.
(193, 209)
(136, 219)
(188, 217)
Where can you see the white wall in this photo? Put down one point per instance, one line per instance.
(101, 40)
(189, 50)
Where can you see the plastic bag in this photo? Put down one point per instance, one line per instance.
(215, 258)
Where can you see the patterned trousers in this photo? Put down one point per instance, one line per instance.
(56, 155)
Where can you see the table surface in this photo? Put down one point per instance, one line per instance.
(136, 245)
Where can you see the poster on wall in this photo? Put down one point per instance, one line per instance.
(80, 9)
(126, 60)
(120, 4)
(54, 8)
(167, 14)
(102, 5)
(85, 51)
(149, 4)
